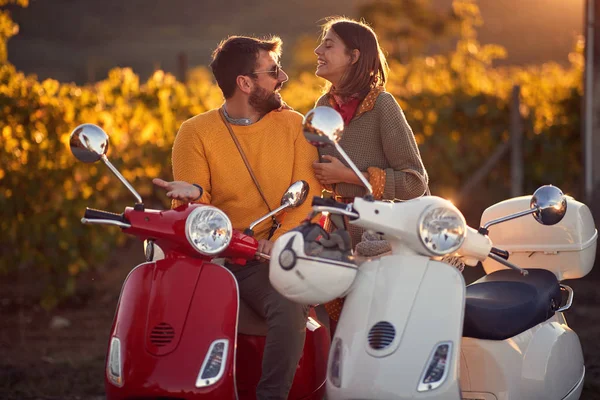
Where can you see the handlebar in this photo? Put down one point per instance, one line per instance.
(91, 213)
(328, 202)
(500, 253)
(99, 217)
(508, 264)
(263, 255)
(330, 205)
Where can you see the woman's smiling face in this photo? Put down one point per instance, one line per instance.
(332, 58)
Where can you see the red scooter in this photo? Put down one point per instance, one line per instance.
(180, 330)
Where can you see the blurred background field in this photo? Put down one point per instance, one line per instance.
(138, 69)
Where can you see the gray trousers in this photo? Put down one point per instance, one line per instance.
(286, 323)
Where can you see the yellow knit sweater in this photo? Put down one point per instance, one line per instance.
(204, 153)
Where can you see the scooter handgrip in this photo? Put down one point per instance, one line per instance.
(90, 213)
(500, 253)
(328, 202)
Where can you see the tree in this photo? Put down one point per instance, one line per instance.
(409, 27)
(8, 28)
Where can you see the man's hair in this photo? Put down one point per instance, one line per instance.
(237, 55)
(371, 69)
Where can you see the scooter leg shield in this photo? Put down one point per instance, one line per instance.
(399, 333)
(176, 318)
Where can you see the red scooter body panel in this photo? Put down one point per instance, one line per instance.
(173, 288)
(207, 312)
(310, 375)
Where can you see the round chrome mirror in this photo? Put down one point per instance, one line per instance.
(550, 203)
(296, 194)
(323, 126)
(293, 197)
(88, 143)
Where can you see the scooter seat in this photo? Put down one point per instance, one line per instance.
(505, 303)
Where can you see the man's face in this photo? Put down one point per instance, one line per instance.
(268, 79)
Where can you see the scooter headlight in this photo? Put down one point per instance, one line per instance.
(442, 230)
(208, 230)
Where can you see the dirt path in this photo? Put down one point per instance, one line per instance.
(67, 362)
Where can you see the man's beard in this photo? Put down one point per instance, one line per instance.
(264, 101)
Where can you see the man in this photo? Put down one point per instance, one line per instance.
(204, 153)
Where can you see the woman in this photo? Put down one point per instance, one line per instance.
(376, 136)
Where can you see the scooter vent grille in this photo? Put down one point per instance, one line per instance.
(381, 335)
(162, 334)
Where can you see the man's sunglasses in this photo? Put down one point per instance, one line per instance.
(273, 72)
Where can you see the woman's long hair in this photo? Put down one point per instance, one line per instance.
(371, 69)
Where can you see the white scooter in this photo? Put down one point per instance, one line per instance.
(410, 329)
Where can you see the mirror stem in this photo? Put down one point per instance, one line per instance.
(261, 219)
(356, 171)
(509, 217)
(122, 179)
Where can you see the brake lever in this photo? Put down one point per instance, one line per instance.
(502, 261)
(263, 255)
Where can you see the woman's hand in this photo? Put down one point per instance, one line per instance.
(179, 190)
(331, 172)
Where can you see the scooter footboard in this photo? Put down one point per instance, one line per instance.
(399, 333)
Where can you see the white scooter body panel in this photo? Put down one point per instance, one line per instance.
(424, 301)
(544, 362)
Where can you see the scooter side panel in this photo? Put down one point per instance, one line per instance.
(211, 315)
(544, 362)
(310, 374)
(424, 301)
(309, 381)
